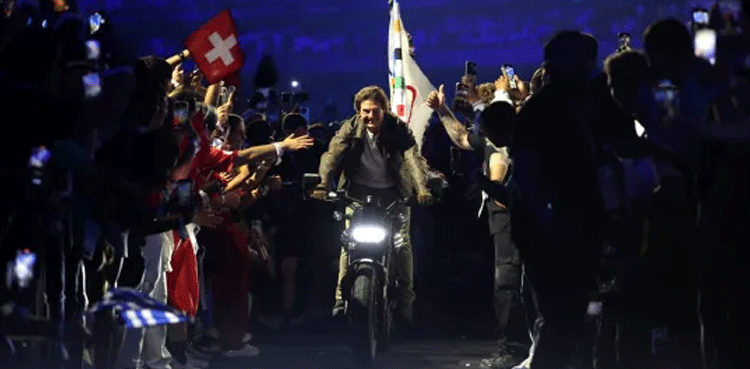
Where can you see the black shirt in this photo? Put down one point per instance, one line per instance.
(552, 125)
(496, 191)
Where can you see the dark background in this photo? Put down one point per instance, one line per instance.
(335, 47)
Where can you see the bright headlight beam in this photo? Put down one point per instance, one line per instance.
(368, 234)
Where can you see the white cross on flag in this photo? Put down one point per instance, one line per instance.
(215, 48)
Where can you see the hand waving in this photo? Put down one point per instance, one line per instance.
(292, 143)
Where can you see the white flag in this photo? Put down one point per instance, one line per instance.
(409, 86)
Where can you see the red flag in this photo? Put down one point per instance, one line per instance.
(215, 48)
(233, 80)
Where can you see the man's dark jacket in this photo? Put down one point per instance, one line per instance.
(406, 166)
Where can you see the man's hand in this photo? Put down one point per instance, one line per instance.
(178, 75)
(425, 198)
(292, 143)
(224, 111)
(436, 99)
(503, 83)
(196, 79)
(204, 218)
(227, 177)
(523, 88)
(320, 193)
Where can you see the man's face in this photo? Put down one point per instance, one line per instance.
(371, 114)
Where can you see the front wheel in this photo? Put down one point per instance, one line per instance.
(363, 319)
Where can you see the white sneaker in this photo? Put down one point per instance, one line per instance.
(524, 365)
(246, 351)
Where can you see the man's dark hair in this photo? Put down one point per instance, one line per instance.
(258, 132)
(630, 65)
(498, 121)
(570, 55)
(670, 38)
(293, 121)
(151, 75)
(151, 72)
(373, 93)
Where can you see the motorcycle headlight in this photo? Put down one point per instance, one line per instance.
(368, 234)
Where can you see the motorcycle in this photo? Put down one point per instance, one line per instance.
(369, 288)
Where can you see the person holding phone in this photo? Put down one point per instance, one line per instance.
(496, 123)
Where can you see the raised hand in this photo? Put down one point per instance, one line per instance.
(292, 143)
(436, 99)
(178, 75)
(503, 83)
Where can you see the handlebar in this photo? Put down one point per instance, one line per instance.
(336, 196)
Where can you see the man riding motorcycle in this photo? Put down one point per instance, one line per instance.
(376, 155)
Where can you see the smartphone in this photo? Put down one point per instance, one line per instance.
(185, 193)
(39, 157)
(667, 97)
(471, 68)
(462, 90)
(624, 41)
(93, 50)
(181, 111)
(705, 44)
(511, 73)
(92, 85)
(95, 22)
(23, 267)
(470, 71)
(700, 17)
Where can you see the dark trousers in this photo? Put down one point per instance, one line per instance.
(511, 315)
(561, 265)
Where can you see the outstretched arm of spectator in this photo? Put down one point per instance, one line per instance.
(274, 150)
(212, 94)
(174, 61)
(456, 131)
(244, 173)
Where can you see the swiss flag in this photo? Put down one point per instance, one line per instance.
(215, 48)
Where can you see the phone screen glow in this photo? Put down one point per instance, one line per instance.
(705, 44)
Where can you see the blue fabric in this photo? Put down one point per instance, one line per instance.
(138, 310)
